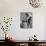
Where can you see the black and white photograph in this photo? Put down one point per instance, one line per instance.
(26, 20)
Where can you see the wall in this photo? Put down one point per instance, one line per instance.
(45, 28)
(12, 8)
